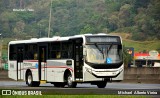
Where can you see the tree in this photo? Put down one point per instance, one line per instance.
(124, 16)
(71, 17)
(127, 58)
(19, 27)
(87, 29)
(113, 21)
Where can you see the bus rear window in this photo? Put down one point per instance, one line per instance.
(12, 52)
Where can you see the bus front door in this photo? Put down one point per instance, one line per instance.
(42, 63)
(78, 59)
(19, 63)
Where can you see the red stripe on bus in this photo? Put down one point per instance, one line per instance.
(26, 68)
(30, 60)
(59, 67)
(51, 67)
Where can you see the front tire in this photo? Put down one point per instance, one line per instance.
(70, 82)
(101, 84)
(30, 82)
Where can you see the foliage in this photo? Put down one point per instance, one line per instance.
(127, 58)
(70, 17)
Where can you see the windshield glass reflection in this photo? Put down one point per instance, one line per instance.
(104, 54)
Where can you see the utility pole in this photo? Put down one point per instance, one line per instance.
(49, 25)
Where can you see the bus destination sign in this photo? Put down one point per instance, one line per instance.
(103, 39)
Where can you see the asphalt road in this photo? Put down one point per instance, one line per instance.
(111, 88)
(17, 84)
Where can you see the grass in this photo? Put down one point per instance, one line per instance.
(140, 46)
(76, 96)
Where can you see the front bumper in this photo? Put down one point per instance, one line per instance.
(105, 72)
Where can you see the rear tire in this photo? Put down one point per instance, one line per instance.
(30, 82)
(70, 82)
(101, 84)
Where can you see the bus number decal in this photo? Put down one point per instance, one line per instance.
(27, 64)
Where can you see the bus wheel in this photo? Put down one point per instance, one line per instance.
(70, 82)
(101, 84)
(30, 81)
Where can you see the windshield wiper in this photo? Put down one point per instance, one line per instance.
(101, 51)
(109, 49)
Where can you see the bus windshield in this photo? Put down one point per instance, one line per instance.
(104, 53)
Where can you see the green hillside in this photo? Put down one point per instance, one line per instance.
(23, 19)
(139, 46)
(142, 46)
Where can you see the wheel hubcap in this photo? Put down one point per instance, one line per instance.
(70, 80)
(29, 79)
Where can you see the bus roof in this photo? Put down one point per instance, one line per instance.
(56, 38)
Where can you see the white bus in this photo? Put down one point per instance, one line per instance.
(88, 58)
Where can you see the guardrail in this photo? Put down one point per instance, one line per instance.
(142, 75)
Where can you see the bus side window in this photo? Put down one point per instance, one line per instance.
(54, 50)
(58, 55)
(35, 56)
(13, 56)
(70, 51)
(30, 52)
(42, 55)
(66, 51)
(64, 54)
(59, 50)
(52, 54)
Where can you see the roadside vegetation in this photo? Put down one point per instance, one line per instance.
(71, 17)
